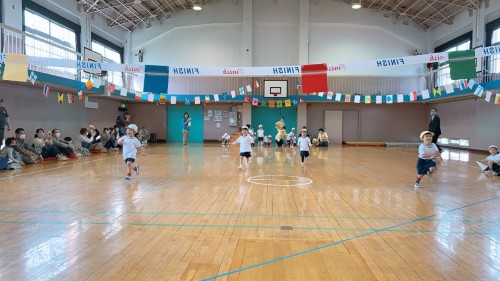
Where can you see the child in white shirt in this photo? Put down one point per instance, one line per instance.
(290, 138)
(245, 141)
(304, 143)
(130, 145)
(225, 139)
(260, 135)
(493, 167)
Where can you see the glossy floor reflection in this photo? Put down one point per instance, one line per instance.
(351, 213)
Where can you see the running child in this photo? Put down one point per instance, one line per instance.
(304, 143)
(427, 152)
(130, 145)
(245, 141)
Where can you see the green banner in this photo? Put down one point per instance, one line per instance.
(460, 66)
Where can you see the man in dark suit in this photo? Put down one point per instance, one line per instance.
(435, 127)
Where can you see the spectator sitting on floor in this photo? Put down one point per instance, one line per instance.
(323, 138)
(28, 154)
(96, 145)
(7, 159)
(45, 145)
(64, 146)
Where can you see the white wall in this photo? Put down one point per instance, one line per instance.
(463, 23)
(337, 34)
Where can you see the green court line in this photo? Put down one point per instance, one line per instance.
(242, 226)
(235, 215)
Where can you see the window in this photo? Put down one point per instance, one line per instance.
(109, 55)
(461, 43)
(493, 38)
(62, 41)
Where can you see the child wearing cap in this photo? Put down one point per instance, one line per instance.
(304, 143)
(225, 139)
(245, 141)
(268, 140)
(260, 135)
(427, 152)
(493, 159)
(130, 145)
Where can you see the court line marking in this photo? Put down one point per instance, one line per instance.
(238, 226)
(234, 215)
(339, 242)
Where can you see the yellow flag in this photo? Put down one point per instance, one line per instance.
(16, 68)
(60, 97)
(347, 97)
(368, 99)
(288, 103)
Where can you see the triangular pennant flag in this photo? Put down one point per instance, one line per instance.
(413, 96)
(436, 91)
(368, 99)
(479, 91)
(321, 94)
(173, 99)
(449, 88)
(197, 100)
(249, 88)
(288, 103)
(144, 96)
(263, 103)
(497, 99)
(272, 103)
(329, 95)
(357, 98)
(88, 84)
(46, 91)
(137, 96)
(389, 99)
(338, 97)
(378, 99)
(207, 99)
(256, 84)
(242, 91)
(111, 88)
(70, 98)
(80, 95)
(279, 103)
(187, 101)
(294, 102)
(255, 101)
(299, 85)
(488, 96)
(33, 77)
(471, 83)
(247, 99)
(233, 94)
(151, 97)
(347, 97)
(123, 92)
(60, 97)
(301, 100)
(216, 97)
(425, 94)
(163, 99)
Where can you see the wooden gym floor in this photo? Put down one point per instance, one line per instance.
(350, 214)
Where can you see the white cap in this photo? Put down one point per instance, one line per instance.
(260, 125)
(244, 128)
(492, 146)
(133, 127)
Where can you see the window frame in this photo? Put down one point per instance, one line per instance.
(490, 28)
(457, 41)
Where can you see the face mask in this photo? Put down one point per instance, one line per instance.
(41, 135)
(58, 135)
(434, 113)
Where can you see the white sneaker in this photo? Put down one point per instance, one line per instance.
(429, 173)
(417, 185)
(78, 154)
(302, 163)
(248, 166)
(61, 158)
(240, 167)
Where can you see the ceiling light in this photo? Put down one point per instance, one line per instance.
(196, 6)
(356, 5)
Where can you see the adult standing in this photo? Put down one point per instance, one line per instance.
(186, 126)
(122, 122)
(4, 121)
(435, 127)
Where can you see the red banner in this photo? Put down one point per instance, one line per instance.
(314, 78)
